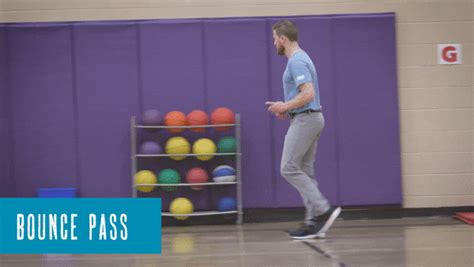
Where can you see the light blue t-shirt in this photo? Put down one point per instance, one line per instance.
(300, 69)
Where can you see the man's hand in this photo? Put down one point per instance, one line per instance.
(281, 116)
(277, 107)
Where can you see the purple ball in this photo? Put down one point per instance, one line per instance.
(151, 117)
(150, 147)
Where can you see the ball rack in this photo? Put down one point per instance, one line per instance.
(238, 182)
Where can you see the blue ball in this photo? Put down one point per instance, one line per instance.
(223, 173)
(227, 204)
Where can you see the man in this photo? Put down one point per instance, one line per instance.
(302, 106)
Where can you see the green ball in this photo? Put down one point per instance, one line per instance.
(169, 176)
(226, 145)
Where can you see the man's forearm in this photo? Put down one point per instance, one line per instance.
(303, 98)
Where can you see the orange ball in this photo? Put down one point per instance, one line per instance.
(175, 118)
(197, 117)
(222, 115)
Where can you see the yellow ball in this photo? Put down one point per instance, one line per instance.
(204, 146)
(145, 177)
(177, 145)
(181, 205)
(182, 243)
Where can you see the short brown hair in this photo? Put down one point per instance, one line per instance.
(286, 28)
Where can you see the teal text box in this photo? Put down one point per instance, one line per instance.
(80, 225)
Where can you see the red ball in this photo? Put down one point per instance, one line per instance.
(222, 115)
(197, 175)
(197, 117)
(175, 118)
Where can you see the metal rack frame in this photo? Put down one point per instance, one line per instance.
(238, 155)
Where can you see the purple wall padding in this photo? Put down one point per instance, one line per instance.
(42, 107)
(367, 110)
(106, 67)
(172, 78)
(74, 87)
(237, 77)
(172, 65)
(6, 181)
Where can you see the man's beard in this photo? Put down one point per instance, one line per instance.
(281, 50)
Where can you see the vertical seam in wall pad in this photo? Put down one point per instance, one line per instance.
(336, 114)
(139, 69)
(204, 83)
(140, 107)
(204, 66)
(4, 163)
(76, 108)
(272, 124)
(11, 145)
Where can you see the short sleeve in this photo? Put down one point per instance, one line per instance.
(300, 72)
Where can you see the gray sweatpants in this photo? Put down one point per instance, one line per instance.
(297, 161)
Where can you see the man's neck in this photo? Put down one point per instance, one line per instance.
(291, 49)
